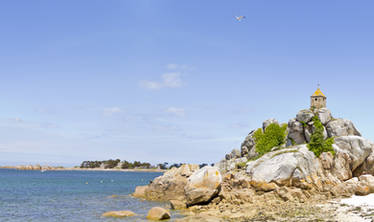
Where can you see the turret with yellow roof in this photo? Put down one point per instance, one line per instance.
(318, 100)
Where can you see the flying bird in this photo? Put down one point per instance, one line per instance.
(239, 18)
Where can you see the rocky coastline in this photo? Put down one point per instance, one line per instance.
(288, 183)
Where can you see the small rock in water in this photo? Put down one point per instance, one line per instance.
(158, 213)
(124, 213)
(113, 196)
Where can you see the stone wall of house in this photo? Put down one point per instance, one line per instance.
(318, 102)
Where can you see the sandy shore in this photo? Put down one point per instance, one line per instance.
(49, 168)
(355, 208)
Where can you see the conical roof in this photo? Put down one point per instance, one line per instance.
(318, 92)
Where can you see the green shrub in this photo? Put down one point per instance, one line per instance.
(273, 136)
(293, 143)
(317, 142)
(304, 124)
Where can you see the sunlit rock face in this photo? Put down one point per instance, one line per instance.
(203, 185)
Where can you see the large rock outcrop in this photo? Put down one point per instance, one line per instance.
(203, 185)
(235, 153)
(292, 166)
(367, 167)
(304, 115)
(324, 115)
(296, 132)
(341, 127)
(295, 164)
(186, 185)
(299, 131)
(248, 148)
(288, 172)
(354, 155)
(228, 165)
(284, 166)
(169, 186)
(356, 147)
(362, 185)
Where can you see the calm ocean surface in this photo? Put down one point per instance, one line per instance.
(70, 195)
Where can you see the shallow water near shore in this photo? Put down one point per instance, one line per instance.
(71, 195)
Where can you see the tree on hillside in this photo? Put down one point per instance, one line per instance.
(109, 164)
(318, 144)
(91, 164)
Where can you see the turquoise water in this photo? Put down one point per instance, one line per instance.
(70, 195)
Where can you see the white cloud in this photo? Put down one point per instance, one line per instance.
(152, 85)
(111, 111)
(172, 80)
(176, 111)
(172, 66)
(168, 80)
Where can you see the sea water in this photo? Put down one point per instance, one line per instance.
(71, 195)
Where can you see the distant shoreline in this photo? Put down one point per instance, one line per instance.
(49, 168)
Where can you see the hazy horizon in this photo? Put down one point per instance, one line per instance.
(167, 81)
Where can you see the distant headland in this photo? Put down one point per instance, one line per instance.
(104, 165)
(37, 167)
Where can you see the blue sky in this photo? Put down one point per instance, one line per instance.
(174, 81)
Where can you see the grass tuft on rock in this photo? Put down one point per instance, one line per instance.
(241, 165)
(282, 152)
(273, 136)
(317, 142)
